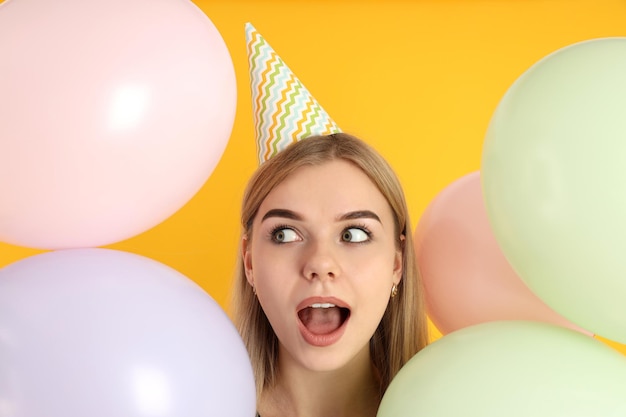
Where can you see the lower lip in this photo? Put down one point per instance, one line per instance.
(322, 340)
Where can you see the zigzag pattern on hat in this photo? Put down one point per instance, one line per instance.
(284, 110)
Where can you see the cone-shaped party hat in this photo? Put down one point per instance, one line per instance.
(284, 110)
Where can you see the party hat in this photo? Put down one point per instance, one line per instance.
(284, 110)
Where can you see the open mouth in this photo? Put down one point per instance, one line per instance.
(323, 318)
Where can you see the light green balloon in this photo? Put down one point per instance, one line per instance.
(510, 369)
(554, 179)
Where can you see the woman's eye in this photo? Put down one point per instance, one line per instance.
(354, 235)
(284, 235)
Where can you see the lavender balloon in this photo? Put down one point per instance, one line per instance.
(101, 333)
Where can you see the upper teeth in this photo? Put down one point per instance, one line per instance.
(322, 305)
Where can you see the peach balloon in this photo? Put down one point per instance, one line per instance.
(113, 114)
(467, 279)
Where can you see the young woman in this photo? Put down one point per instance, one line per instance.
(327, 298)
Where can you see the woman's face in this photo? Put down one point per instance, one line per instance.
(323, 259)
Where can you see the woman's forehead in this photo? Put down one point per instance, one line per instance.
(336, 185)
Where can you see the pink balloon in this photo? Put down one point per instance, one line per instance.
(467, 279)
(113, 114)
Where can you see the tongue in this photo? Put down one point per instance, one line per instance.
(321, 320)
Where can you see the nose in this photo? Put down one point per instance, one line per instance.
(320, 262)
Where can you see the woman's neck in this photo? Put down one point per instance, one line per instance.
(347, 392)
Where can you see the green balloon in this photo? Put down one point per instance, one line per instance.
(510, 369)
(553, 174)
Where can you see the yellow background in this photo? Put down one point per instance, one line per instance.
(419, 80)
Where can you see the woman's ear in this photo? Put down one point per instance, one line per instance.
(246, 256)
(399, 262)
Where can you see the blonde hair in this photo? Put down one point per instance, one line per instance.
(402, 331)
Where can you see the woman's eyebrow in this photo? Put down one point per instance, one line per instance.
(360, 214)
(284, 213)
